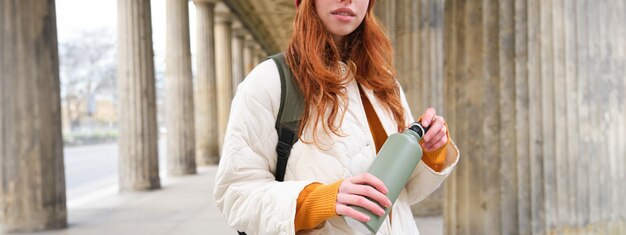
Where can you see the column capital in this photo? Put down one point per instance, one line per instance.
(223, 17)
(210, 2)
(249, 41)
(238, 30)
(223, 14)
(260, 49)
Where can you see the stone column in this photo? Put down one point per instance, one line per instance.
(260, 54)
(237, 58)
(223, 68)
(181, 157)
(535, 100)
(248, 50)
(207, 145)
(386, 13)
(416, 30)
(256, 55)
(138, 137)
(32, 194)
(419, 53)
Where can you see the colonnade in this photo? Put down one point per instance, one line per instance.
(533, 92)
(32, 195)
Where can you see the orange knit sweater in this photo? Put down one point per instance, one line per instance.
(316, 202)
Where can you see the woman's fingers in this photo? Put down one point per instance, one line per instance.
(356, 200)
(367, 185)
(342, 209)
(369, 179)
(442, 141)
(428, 116)
(434, 137)
(434, 130)
(365, 190)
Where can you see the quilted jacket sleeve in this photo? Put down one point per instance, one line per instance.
(425, 180)
(245, 190)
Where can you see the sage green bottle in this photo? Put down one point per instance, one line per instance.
(394, 164)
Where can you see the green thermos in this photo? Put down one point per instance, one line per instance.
(393, 165)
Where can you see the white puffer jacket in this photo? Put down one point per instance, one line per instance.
(252, 201)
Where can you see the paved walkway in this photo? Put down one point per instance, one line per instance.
(183, 206)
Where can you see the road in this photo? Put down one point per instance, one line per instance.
(93, 167)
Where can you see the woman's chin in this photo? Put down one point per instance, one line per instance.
(342, 32)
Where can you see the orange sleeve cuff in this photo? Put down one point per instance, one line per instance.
(436, 160)
(316, 204)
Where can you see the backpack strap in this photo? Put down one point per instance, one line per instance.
(289, 114)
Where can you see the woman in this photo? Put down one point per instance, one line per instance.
(341, 58)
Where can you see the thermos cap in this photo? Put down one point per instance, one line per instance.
(418, 128)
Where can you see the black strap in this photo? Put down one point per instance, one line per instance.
(283, 149)
(288, 118)
(289, 115)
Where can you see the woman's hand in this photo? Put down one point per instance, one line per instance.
(354, 190)
(436, 136)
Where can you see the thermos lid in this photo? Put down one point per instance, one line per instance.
(418, 128)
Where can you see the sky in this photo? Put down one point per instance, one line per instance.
(76, 16)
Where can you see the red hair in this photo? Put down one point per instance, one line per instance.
(313, 57)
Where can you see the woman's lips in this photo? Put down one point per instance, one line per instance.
(344, 14)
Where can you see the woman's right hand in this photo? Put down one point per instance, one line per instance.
(354, 190)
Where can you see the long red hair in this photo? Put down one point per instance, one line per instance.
(313, 57)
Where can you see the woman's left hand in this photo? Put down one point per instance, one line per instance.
(436, 137)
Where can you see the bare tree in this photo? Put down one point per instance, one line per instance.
(87, 68)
